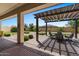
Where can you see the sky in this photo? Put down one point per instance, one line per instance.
(29, 18)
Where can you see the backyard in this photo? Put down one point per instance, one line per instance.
(45, 40)
(30, 41)
(55, 35)
(50, 46)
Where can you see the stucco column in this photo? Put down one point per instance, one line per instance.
(20, 25)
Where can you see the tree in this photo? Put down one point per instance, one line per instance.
(31, 27)
(61, 29)
(25, 27)
(71, 23)
(14, 29)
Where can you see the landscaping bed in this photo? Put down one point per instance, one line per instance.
(42, 33)
(28, 37)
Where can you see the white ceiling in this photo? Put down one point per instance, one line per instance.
(5, 7)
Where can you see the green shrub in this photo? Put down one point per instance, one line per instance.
(42, 33)
(61, 29)
(30, 36)
(7, 34)
(1, 33)
(26, 32)
(14, 29)
(26, 38)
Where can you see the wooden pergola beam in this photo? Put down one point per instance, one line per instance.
(59, 20)
(67, 9)
(61, 17)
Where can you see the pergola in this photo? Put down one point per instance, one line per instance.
(67, 13)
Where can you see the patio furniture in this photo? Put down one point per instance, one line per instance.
(76, 43)
(59, 36)
(52, 36)
(69, 38)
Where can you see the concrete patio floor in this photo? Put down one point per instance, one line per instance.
(21, 50)
(8, 47)
(33, 44)
(4, 44)
(68, 49)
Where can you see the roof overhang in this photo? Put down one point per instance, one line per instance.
(25, 8)
(6, 7)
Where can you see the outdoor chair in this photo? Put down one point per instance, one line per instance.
(74, 42)
(52, 36)
(69, 38)
(59, 37)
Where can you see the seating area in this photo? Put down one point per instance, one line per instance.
(58, 42)
(63, 47)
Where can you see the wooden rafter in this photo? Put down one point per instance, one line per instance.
(70, 12)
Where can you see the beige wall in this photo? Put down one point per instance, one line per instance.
(7, 29)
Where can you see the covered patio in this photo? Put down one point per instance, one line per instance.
(18, 10)
(69, 46)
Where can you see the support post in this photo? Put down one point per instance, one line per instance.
(37, 29)
(76, 28)
(37, 32)
(20, 25)
(46, 28)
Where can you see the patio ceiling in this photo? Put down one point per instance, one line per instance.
(60, 14)
(6, 7)
(10, 9)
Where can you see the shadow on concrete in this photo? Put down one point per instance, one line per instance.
(5, 44)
